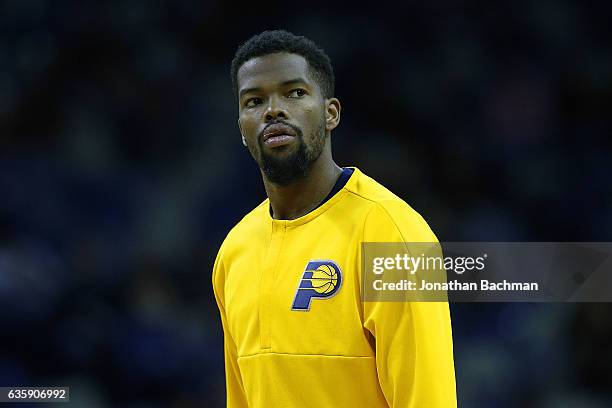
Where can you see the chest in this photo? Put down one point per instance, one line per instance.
(297, 291)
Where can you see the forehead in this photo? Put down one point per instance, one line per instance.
(277, 67)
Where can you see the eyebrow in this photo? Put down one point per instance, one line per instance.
(284, 83)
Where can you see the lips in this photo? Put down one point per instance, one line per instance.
(277, 130)
(278, 135)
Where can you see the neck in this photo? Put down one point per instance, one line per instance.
(299, 198)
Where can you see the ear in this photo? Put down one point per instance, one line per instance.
(332, 113)
(241, 135)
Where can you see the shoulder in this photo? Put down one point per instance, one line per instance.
(251, 225)
(388, 214)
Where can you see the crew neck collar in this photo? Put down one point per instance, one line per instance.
(325, 204)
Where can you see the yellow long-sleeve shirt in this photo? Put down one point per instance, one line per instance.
(287, 345)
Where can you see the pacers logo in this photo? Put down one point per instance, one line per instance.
(321, 279)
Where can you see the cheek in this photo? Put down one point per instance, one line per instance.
(248, 125)
(312, 116)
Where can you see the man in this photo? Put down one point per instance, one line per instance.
(287, 277)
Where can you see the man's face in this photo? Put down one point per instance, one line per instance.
(282, 115)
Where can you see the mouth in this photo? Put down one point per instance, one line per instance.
(277, 135)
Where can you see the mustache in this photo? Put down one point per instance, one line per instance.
(296, 129)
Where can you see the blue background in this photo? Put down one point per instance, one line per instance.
(121, 170)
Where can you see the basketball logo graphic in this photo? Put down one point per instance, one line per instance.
(321, 279)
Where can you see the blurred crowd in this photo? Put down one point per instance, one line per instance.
(121, 171)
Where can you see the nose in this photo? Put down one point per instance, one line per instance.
(275, 110)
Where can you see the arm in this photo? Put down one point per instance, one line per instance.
(413, 340)
(236, 397)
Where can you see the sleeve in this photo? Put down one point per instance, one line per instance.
(236, 397)
(413, 340)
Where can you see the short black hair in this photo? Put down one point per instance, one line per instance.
(269, 42)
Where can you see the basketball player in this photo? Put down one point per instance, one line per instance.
(287, 278)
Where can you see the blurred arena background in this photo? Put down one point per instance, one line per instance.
(121, 170)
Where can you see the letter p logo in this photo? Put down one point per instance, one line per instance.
(321, 279)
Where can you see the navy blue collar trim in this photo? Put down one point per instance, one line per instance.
(346, 174)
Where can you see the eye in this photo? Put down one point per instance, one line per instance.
(297, 93)
(252, 102)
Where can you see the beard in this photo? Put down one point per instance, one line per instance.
(295, 166)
